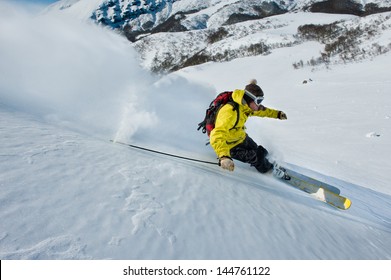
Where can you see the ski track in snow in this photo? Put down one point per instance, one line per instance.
(61, 247)
(141, 204)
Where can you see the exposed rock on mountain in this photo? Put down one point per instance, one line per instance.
(172, 34)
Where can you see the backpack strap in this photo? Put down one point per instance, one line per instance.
(202, 125)
(235, 108)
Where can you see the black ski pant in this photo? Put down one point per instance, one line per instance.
(248, 151)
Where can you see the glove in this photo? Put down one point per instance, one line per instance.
(282, 115)
(227, 163)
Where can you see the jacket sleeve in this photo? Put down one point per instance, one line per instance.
(268, 113)
(219, 136)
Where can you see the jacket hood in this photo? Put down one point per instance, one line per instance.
(237, 96)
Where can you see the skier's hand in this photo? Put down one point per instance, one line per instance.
(227, 163)
(282, 115)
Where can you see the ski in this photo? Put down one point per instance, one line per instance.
(324, 192)
(307, 179)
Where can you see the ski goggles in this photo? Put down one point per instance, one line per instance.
(257, 99)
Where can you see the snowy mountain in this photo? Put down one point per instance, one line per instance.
(183, 15)
(66, 192)
(170, 35)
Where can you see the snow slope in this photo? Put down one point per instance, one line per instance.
(67, 192)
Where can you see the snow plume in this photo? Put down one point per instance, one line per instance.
(69, 72)
(173, 106)
(132, 120)
(180, 106)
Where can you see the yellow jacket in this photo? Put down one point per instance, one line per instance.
(224, 137)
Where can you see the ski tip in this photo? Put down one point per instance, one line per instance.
(347, 203)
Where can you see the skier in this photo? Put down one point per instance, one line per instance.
(229, 138)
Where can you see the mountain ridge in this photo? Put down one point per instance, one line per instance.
(204, 30)
(141, 16)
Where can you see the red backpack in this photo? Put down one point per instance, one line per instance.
(208, 124)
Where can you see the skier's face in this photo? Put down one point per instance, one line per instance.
(255, 103)
(253, 106)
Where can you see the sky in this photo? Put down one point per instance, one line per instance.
(31, 6)
(42, 2)
(38, 1)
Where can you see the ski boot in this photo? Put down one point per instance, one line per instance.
(280, 172)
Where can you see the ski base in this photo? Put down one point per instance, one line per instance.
(321, 191)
